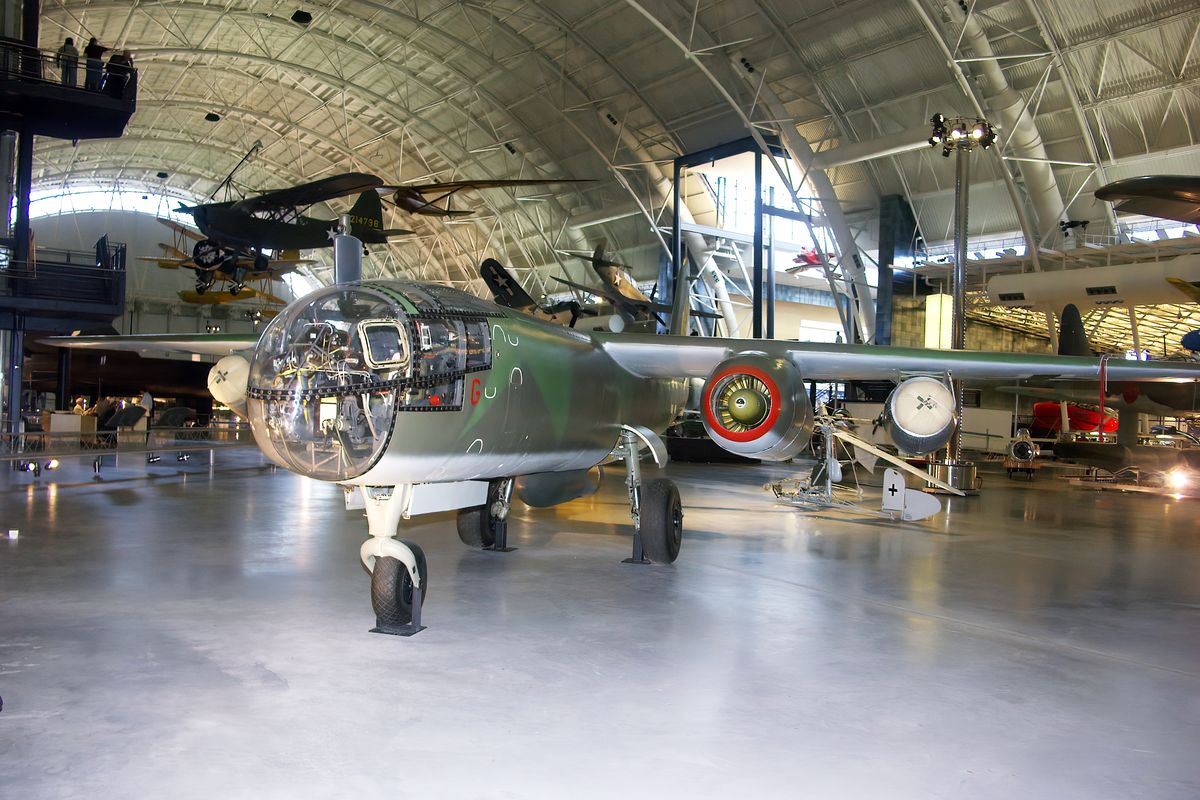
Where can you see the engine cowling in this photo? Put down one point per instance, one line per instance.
(1023, 448)
(756, 406)
(919, 415)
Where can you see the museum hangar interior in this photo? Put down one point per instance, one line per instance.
(615, 398)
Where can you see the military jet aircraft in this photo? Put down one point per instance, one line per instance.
(275, 220)
(433, 199)
(421, 398)
(507, 291)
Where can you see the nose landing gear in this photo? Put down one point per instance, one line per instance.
(399, 571)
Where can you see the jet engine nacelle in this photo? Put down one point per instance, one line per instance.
(1023, 448)
(756, 406)
(227, 382)
(919, 415)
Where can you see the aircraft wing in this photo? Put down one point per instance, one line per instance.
(182, 230)
(216, 298)
(209, 344)
(1113, 401)
(695, 357)
(1167, 196)
(448, 186)
(315, 192)
(168, 263)
(1187, 288)
(608, 293)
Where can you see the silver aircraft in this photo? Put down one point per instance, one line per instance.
(419, 398)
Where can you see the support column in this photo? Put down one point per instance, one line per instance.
(24, 187)
(958, 288)
(1137, 338)
(15, 359)
(8, 166)
(62, 399)
(680, 301)
(770, 267)
(757, 290)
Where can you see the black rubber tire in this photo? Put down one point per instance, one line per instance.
(662, 521)
(392, 588)
(475, 525)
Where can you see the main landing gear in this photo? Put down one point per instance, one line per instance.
(486, 526)
(654, 505)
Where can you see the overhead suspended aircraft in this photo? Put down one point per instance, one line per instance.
(1167, 196)
(618, 288)
(275, 220)
(434, 199)
(507, 291)
(421, 398)
(228, 270)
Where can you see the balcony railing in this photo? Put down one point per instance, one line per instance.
(19, 61)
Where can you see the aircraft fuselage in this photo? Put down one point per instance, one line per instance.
(377, 385)
(226, 224)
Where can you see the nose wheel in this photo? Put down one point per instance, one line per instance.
(396, 601)
(399, 570)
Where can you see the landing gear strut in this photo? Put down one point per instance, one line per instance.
(486, 526)
(655, 507)
(399, 573)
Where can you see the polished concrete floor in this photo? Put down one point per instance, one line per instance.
(203, 634)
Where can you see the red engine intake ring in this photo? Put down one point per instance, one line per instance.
(758, 430)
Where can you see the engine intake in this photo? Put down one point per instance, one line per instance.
(919, 415)
(754, 405)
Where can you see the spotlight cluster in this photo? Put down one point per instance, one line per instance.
(36, 467)
(964, 132)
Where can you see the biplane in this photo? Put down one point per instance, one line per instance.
(222, 273)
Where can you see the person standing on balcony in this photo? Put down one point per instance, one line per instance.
(119, 72)
(94, 52)
(67, 59)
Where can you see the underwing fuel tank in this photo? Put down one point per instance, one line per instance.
(388, 382)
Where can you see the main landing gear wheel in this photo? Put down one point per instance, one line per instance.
(486, 526)
(661, 521)
(392, 592)
(475, 527)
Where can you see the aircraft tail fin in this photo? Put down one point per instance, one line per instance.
(503, 286)
(367, 212)
(1072, 338)
(598, 259)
